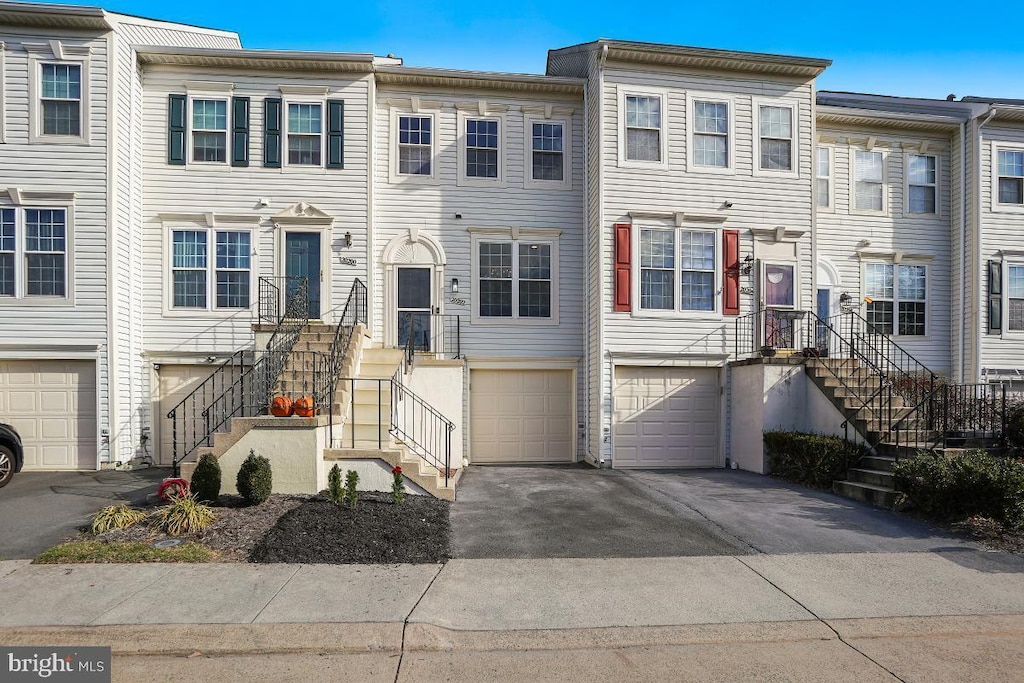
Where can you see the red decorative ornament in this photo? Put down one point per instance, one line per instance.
(304, 407)
(171, 488)
(397, 469)
(281, 406)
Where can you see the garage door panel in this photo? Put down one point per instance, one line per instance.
(521, 416)
(666, 417)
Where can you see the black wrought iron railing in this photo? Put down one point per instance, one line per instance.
(242, 386)
(275, 296)
(439, 334)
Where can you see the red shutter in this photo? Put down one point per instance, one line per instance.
(623, 268)
(731, 267)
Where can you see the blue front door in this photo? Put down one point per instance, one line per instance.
(302, 260)
(824, 304)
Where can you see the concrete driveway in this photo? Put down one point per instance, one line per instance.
(578, 511)
(39, 509)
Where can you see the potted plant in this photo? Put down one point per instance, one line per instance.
(767, 351)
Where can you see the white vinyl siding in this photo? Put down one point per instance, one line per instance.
(869, 181)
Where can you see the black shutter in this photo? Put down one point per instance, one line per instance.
(239, 131)
(335, 134)
(272, 132)
(995, 297)
(177, 113)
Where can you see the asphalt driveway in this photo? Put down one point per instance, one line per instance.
(40, 509)
(578, 511)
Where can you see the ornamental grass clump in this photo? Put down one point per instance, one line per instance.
(255, 479)
(205, 483)
(351, 481)
(185, 515)
(116, 517)
(335, 490)
(398, 485)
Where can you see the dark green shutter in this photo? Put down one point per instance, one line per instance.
(995, 297)
(239, 131)
(272, 132)
(177, 113)
(335, 133)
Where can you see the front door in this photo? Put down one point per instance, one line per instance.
(415, 301)
(824, 306)
(302, 260)
(778, 287)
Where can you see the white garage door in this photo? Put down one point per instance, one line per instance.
(176, 382)
(666, 417)
(52, 404)
(521, 416)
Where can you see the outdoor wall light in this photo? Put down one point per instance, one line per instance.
(348, 239)
(845, 298)
(455, 285)
(748, 265)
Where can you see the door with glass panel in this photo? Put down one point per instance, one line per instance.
(778, 295)
(302, 260)
(415, 305)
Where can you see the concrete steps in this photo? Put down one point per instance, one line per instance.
(882, 496)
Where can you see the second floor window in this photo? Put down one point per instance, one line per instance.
(61, 99)
(823, 172)
(548, 151)
(1011, 177)
(643, 128)
(210, 130)
(415, 145)
(922, 184)
(482, 148)
(776, 138)
(305, 134)
(711, 134)
(869, 181)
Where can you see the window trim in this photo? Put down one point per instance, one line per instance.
(514, 237)
(852, 184)
(21, 297)
(895, 295)
(567, 167)
(730, 148)
(393, 175)
(72, 55)
(714, 315)
(997, 206)
(662, 93)
(1009, 260)
(794, 111)
(908, 154)
(190, 121)
(473, 181)
(170, 310)
(286, 103)
(831, 208)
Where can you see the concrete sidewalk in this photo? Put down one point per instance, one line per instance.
(421, 617)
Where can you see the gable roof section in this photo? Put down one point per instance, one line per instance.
(700, 57)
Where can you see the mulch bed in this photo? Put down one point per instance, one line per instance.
(377, 532)
(992, 534)
(311, 529)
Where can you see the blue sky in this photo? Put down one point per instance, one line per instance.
(902, 47)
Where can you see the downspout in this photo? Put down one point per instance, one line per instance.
(963, 253)
(979, 301)
(113, 438)
(586, 276)
(605, 430)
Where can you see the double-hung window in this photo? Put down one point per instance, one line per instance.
(548, 151)
(482, 148)
(210, 130)
(776, 138)
(643, 130)
(61, 99)
(710, 134)
(305, 134)
(1015, 297)
(922, 184)
(823, 175)
(34, 253)
(515, 279)
(897, 298)
(1010, 173)
(869, 180)
(677, 269)
(415, 145)
(201, 275)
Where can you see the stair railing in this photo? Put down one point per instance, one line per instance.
(354, 313)
(241, 386)
(421, 427)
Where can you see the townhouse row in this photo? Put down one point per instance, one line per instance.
(603, 237)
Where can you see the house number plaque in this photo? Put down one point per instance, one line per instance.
(346, 261)
(457, 301)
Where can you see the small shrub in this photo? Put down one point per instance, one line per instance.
(961, 485)
(810, 459)
(398, 485)
(335, 491)
(206, 479)
(1014, 434)
(255, 479)
(351, 481)
(185, 515)
(116, 517)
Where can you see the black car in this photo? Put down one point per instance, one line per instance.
(11, 455)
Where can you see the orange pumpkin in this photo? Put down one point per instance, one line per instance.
(281, 406)
(304, 407)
